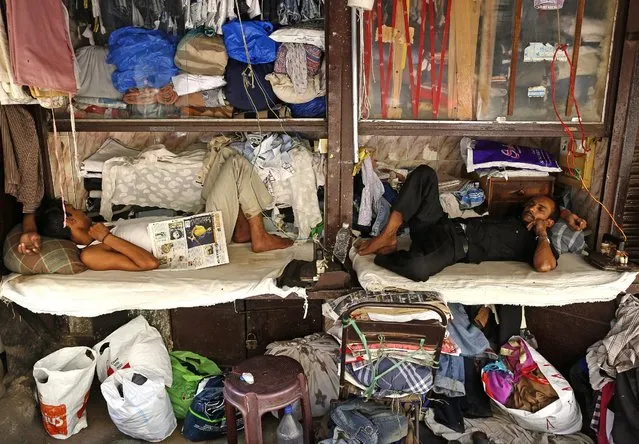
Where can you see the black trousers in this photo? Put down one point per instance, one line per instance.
(436, 240)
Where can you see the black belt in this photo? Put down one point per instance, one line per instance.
(460, 229)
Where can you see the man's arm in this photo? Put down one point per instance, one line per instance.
(544, 259)
(30, 241)
(573, 221)
(115, 253)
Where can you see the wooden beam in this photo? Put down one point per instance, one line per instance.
(626, 109)
(338, 201)
(575, 52)
(487, 54)
(466, 35)
(514, 57)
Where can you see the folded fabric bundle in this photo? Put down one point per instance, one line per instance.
(143, 57)
(247, 88)
(299, 61)
(315, 37)
(212, 98)
(285, 89)
(222, 112)
(313, 109)
(94, 73)
(184, 84)
(95, 163)
(148, 96)
(198, 53)
(100, 101)
(250, 39)
(40, 45)
(10, 92)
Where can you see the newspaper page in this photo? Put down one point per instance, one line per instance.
(190, 242)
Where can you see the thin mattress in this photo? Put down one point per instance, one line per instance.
(512, 283)
(95, 293)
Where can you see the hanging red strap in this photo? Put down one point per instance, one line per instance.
(442, 57)
(380, 47)
(420, 61)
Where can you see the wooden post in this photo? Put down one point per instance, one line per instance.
(514, 56)
(466, 33)
(338, 201)
(487, 54)
(575, 52)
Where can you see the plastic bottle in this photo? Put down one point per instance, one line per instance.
(342, 243)
(289, 431)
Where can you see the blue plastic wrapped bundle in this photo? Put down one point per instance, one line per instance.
(143, 57)
(314, 108)
(261, 48)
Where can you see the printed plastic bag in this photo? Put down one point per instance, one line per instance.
(205, 418)
(561, 417)
(139, 405)
(63, 380)
(188, 370)
(260, 48)
(135, 345)
(143, 57)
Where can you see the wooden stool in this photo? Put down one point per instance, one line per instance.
(279, 381)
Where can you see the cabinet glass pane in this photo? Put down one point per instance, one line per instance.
(168, 59)
(404, 78)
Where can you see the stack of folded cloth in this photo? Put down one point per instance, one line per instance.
(91, 169)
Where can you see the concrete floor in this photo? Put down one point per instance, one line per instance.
(101, 429)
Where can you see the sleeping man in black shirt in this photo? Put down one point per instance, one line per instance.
(438, 241)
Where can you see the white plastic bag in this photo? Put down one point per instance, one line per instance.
(139, 406)
(562, 417)
(63, 380)
(135, 345)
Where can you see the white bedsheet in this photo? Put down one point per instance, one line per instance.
(514, 283)
(94, 293)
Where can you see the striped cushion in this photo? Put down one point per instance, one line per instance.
(56, 256)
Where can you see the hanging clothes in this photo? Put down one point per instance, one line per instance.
(10, 92)
(23, 176)
(372, 202)
(40, 46)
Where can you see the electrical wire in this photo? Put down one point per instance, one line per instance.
(572, 142)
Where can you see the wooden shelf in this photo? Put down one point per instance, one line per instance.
(474, 129)
(317, 127)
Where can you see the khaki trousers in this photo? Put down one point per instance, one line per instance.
(232, 184)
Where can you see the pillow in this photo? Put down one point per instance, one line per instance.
(56, 256)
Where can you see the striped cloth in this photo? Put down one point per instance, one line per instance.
(406, 378)
(23, 176)
(299, 61)
(566, 240)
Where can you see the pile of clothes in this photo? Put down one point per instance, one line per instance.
(92, 167)
(611, 367)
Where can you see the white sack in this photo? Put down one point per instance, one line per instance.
(135, 345)
(139, 405)
(63, 380)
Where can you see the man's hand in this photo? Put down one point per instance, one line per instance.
(99, 231)
(575, 222)
(539, 226)
(30, 243)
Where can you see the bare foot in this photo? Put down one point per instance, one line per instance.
(382, 244)
(269, 242)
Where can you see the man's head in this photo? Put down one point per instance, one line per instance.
(540, 207)
(50, 219)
